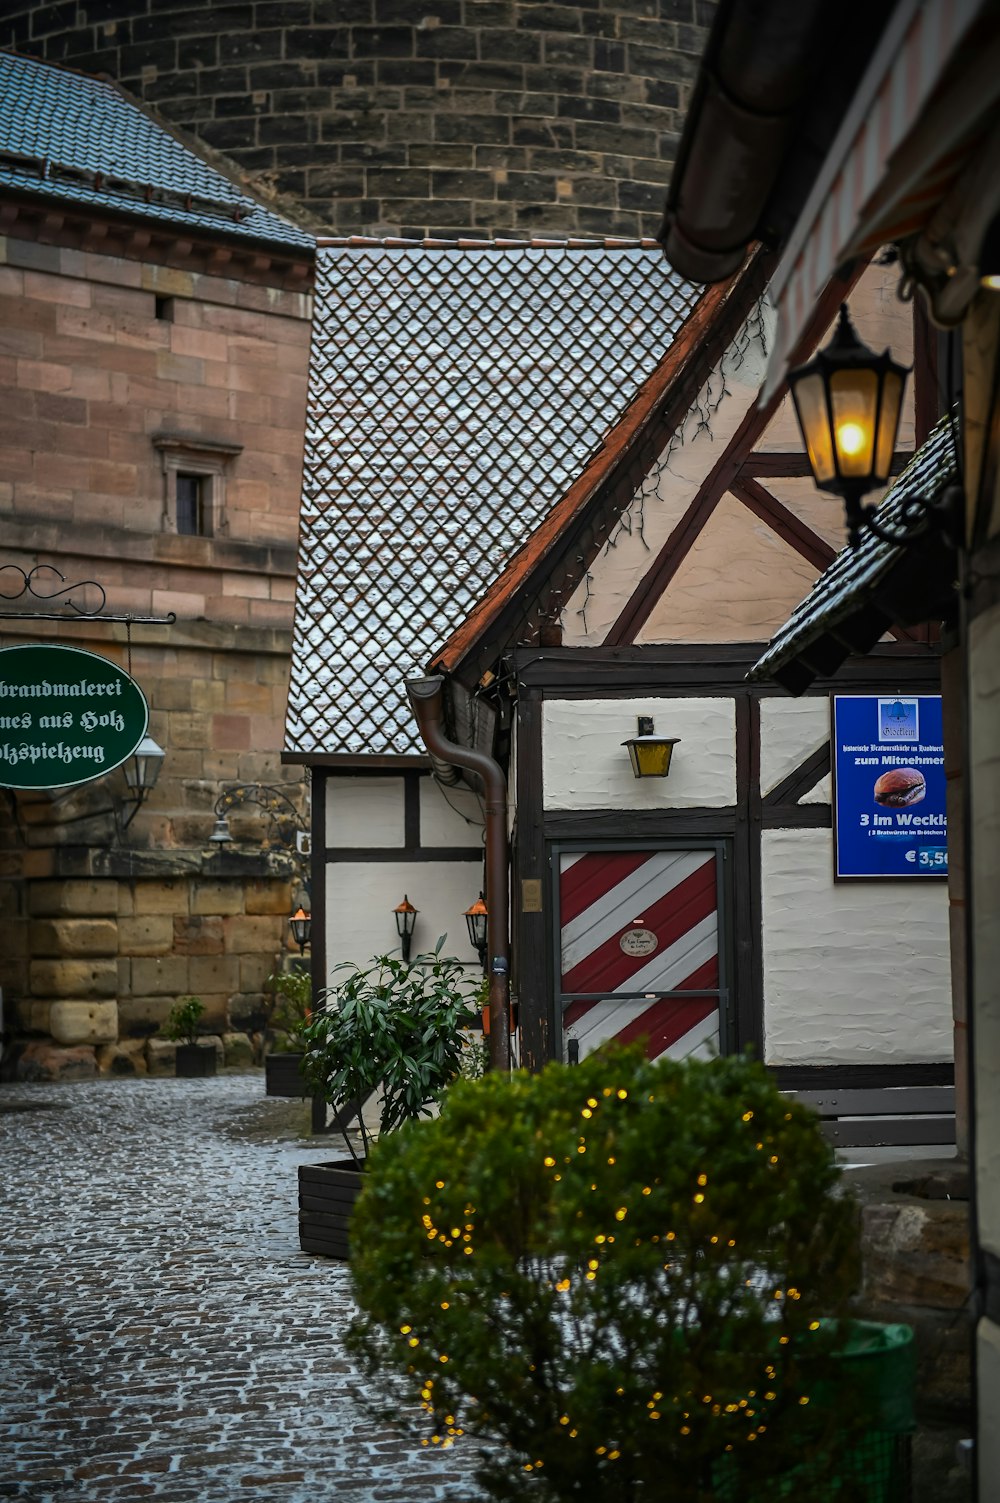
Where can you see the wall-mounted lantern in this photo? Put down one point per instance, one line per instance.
(300, 924)
(406, 918)
(650, 754)
(848, 402)
(476, 920)
(141, 772)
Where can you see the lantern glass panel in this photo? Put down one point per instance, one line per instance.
(888, 421)
(406, 918)
(653, 758)
(809, 392)
(854, 400)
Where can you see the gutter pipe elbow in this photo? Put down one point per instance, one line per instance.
(426, 696)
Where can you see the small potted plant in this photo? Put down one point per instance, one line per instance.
(290, 1012)
(192, 1058)
(394, 1028)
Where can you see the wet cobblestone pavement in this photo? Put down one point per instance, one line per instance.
(162, 1335)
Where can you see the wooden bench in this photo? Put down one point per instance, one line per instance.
(886, 1117)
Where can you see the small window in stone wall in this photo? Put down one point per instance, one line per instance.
(193, 505)
(194, 483)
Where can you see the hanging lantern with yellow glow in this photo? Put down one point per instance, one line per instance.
(848, 402)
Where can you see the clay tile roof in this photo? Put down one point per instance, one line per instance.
(78, 141)
(456, 392)
(820, 632)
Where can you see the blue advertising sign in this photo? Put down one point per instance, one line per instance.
(889, 800)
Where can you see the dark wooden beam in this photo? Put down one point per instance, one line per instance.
(790, 528)
(639, 824)
(786, 466)
(534, 961)
(928, 403)
(748, 981)
(799, 781)
(706, 668)
(798, 817)
(776, 466)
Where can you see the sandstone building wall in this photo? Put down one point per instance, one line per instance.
(102, 358)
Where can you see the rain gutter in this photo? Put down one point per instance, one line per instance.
(427, 702)
(757, 74)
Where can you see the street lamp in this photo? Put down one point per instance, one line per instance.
(650, 754)
(406, 918)
(476, 921)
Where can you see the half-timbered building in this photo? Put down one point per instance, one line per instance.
(699, 910)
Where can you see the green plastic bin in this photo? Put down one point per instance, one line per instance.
(880, 1362)
(873, 1466)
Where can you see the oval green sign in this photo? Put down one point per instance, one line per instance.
(66, 716)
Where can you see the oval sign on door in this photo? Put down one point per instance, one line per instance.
(66, 716)
(638, 942)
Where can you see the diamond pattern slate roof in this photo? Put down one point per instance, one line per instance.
(856, 573)
(456, 390)
(78, 140)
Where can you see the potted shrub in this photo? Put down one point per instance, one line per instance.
(291, 1010)
(191, 1058)
(394, 1028)
(618, 1275)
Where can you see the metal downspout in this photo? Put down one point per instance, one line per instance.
(427, 702)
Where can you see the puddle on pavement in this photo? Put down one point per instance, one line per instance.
(270, 1120)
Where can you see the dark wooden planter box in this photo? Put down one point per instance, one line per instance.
(327, 1193)
(195, 1060)
(282, 1076)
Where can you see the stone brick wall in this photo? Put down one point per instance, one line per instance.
(105, 928)
(384, 117)
(102, 353)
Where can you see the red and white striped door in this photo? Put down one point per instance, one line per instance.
(639, 940)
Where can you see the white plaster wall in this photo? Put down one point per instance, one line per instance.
(360, 897)
(585, 766)
(790, 731)
(444, 813)
(739, 582)
(364, 812)
(854, 972)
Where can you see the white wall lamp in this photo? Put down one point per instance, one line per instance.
(141, 772)
(650, 754)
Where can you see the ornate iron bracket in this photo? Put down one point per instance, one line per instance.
(31, 584)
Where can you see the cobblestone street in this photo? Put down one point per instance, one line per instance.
(163, 1336)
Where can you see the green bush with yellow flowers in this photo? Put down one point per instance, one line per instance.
(615, 1281)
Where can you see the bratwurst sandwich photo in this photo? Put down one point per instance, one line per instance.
(900, 787)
